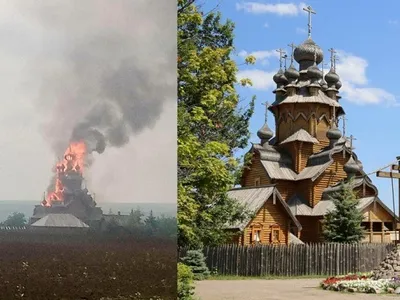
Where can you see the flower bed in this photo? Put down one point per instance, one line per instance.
(361, 283)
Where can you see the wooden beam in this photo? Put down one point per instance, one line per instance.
(388, 174)
(395, 168)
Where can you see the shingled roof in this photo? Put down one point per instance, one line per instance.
(60, 220)
(278, 164)
(299, 206)
(303, 96)
(253, 198)
(357, 182)
(324, 206)
(301, 136)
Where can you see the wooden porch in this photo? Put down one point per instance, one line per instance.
(379, 232)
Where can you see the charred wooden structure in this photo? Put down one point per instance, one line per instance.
(75, 201)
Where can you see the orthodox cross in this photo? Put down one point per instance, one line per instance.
(352, 138)
(266, 110)
(281, 54)
(344, 125)
(335, 59)
(292, 46)
(285, 60)
(332, 51)
(310, 11)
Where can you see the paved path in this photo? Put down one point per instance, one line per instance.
(255, 289)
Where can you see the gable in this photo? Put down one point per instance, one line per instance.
(376, 212)
(255, 171)
(255, 199)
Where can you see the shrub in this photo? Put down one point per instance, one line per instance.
(197, 262)
(185, 282)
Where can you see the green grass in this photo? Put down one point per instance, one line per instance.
(231, 277)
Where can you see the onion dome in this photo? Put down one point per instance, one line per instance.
(292, 74)
(338, 85)
(360, 164)
(280, 78)
(352, 167)
(314, 73)
(305, 52)
(332, 78)
(265, 133)
(334, 133)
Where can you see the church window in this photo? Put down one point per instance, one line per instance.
(257, 181)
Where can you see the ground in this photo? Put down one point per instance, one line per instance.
(71, 268)
(277, 289)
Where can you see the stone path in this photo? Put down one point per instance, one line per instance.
(278, 289)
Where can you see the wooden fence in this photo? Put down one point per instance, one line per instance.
(294, 260)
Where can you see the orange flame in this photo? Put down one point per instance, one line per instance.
(73, 160)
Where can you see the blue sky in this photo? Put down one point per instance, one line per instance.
(366, 37)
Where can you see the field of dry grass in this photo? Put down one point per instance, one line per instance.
(40, 267)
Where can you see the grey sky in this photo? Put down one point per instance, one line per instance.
(99, 63)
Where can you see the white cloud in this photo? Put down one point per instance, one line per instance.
(300, 30)
(301, 6)
(280, 9)
(262, 80)
(352, 71)
(262, 56)
(366, 95)
(352, 68)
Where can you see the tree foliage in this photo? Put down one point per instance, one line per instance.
(16, 219)
(185, 282)
(211, 125)
(148, 227)
(343, 223)
(197, 262)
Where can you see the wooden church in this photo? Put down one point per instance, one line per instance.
(292, 172)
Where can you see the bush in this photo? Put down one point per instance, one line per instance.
(197, 262)
(185, 282)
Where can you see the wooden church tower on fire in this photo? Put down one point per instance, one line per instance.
(294, 170)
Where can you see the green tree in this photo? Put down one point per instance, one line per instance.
(343, 223)
(135, 218)
(185, 282)
(15, 219)
(151, 223)
(211, 126)
(197, 262)
(166, 227)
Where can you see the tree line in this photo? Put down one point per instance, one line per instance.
(136, 222)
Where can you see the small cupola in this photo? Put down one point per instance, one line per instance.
(265, 133)
(352, 167)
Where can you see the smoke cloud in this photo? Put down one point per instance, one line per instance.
(111, 68)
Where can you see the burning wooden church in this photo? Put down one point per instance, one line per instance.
(294, 170)
(66, 194)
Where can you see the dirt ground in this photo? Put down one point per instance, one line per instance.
(292, 289)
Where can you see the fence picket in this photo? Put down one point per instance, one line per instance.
(294, 260)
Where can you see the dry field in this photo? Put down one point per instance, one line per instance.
(38, 267)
